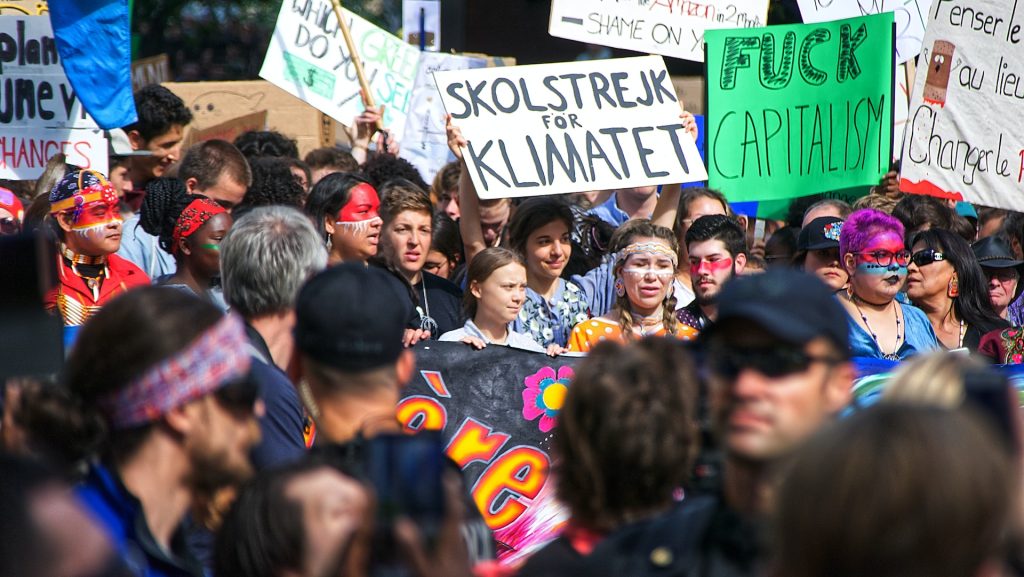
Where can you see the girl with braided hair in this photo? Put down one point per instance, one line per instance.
(190, 227)
(644, 301)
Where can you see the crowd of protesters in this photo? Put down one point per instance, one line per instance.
(240, 323)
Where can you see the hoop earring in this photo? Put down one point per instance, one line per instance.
(620, 287)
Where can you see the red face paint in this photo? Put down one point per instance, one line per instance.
(97, 214)
(363, 204)
(709, 267)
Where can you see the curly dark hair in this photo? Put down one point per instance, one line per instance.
(159, 109)
(627, 432)
(163, 204)
(256, 143)
(273, 184)
(384, 167)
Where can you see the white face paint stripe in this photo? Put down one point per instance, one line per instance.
(87, 230)
(643, 271)
(362, 225)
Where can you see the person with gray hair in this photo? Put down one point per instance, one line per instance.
(265, 258)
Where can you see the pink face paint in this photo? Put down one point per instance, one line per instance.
(97, 215)
(708, 267)
(363, 204)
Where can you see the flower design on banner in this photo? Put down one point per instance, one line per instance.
(544, 395)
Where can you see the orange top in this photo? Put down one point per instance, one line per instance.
(590, 332)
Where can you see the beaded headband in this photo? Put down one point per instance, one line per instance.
(218, 356)
(649, 247)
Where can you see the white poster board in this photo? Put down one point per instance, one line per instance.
(668, 27)
(911, 18)
(570, 127)
(426, 145)
(25, 151)
(963, 140)
(425, 14)
(308, 58)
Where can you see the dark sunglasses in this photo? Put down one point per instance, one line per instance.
(239, 395)
(772, 362)
(927, 256)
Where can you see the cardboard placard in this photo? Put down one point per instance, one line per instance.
(910, 17)
(308, 58)
(962, 137)
(669, 27)
(152, 70)
(24, 152)
(216, 103)
(570, 127)
(228, 130)
(23, 8)
(426, 145)
(800, 109)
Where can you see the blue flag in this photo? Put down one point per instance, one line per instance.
(94, 42)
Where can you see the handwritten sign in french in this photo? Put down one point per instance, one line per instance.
(963, 140)
(668, 27)
(308, 58)
(800, 109)
(570, 127)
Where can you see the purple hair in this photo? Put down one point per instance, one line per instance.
(862, 226)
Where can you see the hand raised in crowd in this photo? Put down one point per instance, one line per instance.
(689, 123)
(363, 128)
(889, 185)
(455, 139)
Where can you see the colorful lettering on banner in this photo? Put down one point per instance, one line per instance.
(570, 127)
(668, 27)
(910, 17)
(25, 151)
(961, 143)
(496, 407)
(800, 109)
(308, 58)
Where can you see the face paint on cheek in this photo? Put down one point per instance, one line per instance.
(709, 267)
(363, 205)
(210, 246)
(89, 222)
(875, 269)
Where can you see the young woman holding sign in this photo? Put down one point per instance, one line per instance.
(540, 232)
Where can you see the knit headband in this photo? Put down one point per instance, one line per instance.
(650, 247)
(195, 215)
(218, 356)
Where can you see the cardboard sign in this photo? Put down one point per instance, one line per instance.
(910, 17)
(962, 139)
(34, 91)
(215, 104)
(491, 405)
(798, 110)
(570, 127)
(152, 70)
(25, 151)
(426, 145)
(229, 130)
(308, 58)
(425, 15)
(23, 7)
(669, 27)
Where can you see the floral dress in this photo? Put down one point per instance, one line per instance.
(552, 321)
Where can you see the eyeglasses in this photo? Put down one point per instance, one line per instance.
(927, 256)
(885, 257)
(773, 362)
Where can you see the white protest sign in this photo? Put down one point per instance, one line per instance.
(570, 127)
(34, 91)
(963, 141)
(25, 151)
(422, 17)
(308, 58)
(426, 145)
(910, 16)
(669, 27)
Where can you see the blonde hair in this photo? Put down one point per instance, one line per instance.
(935, 379)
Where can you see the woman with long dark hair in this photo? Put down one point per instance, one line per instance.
(345, 210)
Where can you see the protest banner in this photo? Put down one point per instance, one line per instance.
(800, 109)
(23, 7)
(421, 24)
(668, 27)
(497, 407)
(963, 141)
(426, 145)
(909, 15)
(570, 127)
(216, 103)
(25, 151)
(152, 70)
(308, 58)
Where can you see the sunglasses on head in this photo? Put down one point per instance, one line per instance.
(927, 256)
(773, 362)
(239, 395)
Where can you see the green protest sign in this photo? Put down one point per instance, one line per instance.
(801, 109)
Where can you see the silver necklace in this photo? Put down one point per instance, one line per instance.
(427, 323)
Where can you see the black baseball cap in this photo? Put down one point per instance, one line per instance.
(820, 233)
(351, 317)
(794, 306)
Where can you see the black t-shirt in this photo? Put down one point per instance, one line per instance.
(443, 303)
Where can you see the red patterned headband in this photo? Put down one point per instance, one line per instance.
(193, 217)
(218, 356)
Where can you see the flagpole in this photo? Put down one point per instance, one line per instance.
(356, 62)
